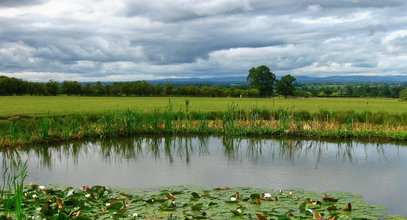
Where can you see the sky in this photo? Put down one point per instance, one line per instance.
(120, 40)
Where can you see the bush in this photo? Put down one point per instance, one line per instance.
(403, 95)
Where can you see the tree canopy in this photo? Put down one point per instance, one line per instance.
(285, 85)
(262, 79)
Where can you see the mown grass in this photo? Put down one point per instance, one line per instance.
(66, 105)
(234, 121)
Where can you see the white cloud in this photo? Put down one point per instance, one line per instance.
(335, 20)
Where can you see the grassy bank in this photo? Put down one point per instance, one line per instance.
(190, 202)
(234, 121)
(67, 105)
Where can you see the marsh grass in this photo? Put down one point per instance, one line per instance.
(14, 174)
(234, 121)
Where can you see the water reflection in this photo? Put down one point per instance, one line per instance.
(171, 148)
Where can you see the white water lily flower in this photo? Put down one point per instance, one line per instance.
(41, 187)
(290, 193)
(107, 204)
(87, 195)
(233, 199)
(267, 195)
(135, 215)
(34, 196)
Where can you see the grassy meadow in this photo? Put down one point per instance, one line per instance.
(67, 105)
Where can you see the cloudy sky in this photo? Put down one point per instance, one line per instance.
(90, 40)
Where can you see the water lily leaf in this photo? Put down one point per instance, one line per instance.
(120, 212)
(329, 199)
(348, 207)
(197, 207)
(85, 188)
(62, 216)
(303, 207)
(69, 191)
(59, 202)
(257, 201)
(331, 208)
(317, 216)
(115, 206)
(195, 195)
(168, 205)
(255, 196)
(170, 196)
(261, 216)
(238, 212)
(222, 188)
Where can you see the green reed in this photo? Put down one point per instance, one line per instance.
(234, 121)
(11, 195)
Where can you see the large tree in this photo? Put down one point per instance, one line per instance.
(285, 85)
(262, 79)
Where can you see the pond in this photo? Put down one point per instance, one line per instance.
(376, 171)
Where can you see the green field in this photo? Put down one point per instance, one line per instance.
(59, 105)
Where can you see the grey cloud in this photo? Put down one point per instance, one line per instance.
(225, 37)
(173, 11)
(20, 3)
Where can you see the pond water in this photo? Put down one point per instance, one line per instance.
(376, 171)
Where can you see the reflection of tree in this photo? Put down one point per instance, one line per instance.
(231, 147)
(184, 148)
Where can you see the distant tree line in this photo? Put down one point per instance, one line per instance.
(351, 90)
(14, 86)
(285, 86)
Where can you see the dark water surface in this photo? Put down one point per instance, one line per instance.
(376, 171)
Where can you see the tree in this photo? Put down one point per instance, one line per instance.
(403, 95)
(285, 85)
(328, 91)
(52, 87)
(71, 87)
(262, 79)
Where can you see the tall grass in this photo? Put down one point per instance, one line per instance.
(234, 121)
(11, 195)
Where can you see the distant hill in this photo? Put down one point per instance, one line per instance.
(300, 79)
(353, 79)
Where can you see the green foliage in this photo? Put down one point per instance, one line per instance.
(52, 87)
(285, 85)
(262, 79)
(71, 88)
(191, 202)
(403, 95)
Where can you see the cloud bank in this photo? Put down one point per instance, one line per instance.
(91, 40)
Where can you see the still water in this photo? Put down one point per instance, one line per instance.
(376, 171)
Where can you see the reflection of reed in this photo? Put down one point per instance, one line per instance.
(183, 148)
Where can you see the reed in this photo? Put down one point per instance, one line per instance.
(14, 174)
(234, 121)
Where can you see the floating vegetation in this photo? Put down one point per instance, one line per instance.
(233, 122)
(191, 202)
